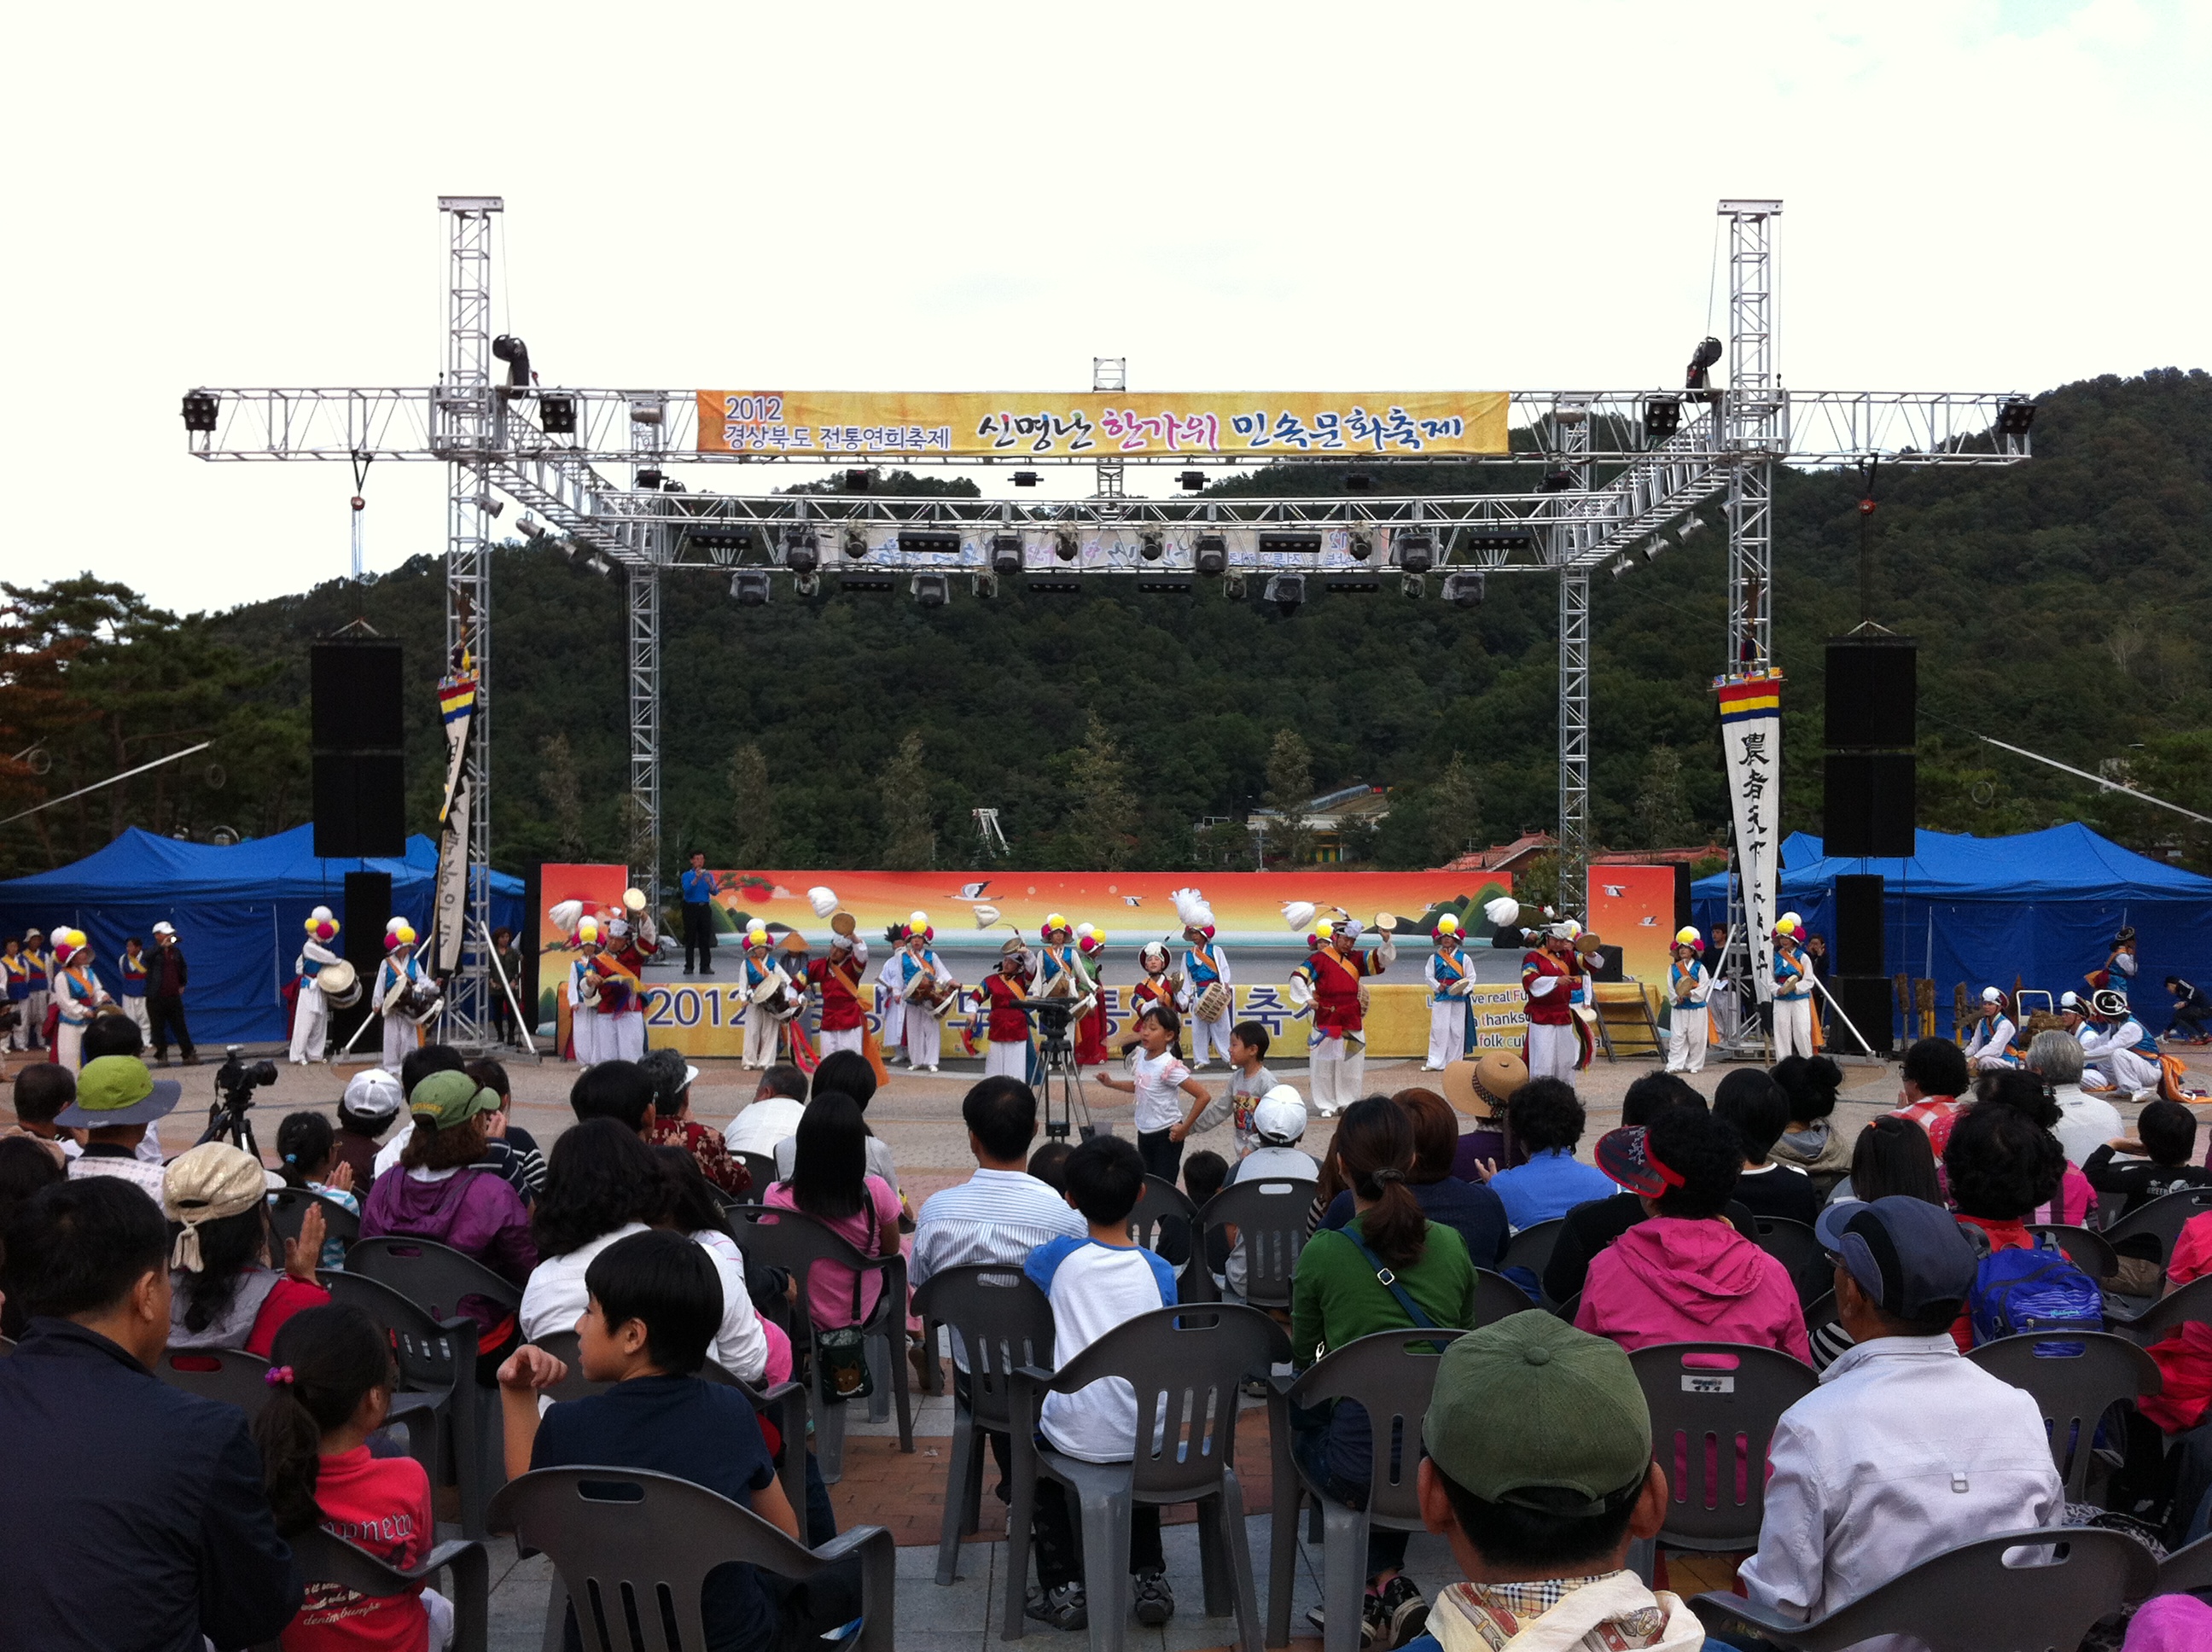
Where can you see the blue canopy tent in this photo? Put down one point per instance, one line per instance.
(238, 912)
(2039, 909)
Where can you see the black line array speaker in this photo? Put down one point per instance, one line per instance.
(1681, 900)
(359, 740)
(1870, 803)
(1868, 1002)
(1873, 694)
(1859, 938)
(368, 908)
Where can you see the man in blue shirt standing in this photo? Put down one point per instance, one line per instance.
(699, 914)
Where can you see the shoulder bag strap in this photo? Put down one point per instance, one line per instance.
(1388, 1281)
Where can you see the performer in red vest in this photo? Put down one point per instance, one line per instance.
(1330, 981)
(837, 978)
(1006, 1025)
(1548, 977)
(1091, 1032)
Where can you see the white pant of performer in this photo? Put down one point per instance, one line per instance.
(19, 1035)
(894, 1024)
(2126, 1071)
(1339, 1066)
(34, 1014)
(69, 1043)
(1685, 1039)
(761, 1029)
(1552, 1052)
(1447, 1033)
(1007, 1058)
(311, 1021)
(1214, 1033)
(1793, 1028)
(591, 1036)
(136, 1009)
(401, 1036)
(924, 1039)
(845, 1038)
(625, 1036)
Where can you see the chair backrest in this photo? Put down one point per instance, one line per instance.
(2186, 1568)
(1269, 1215)
(288, 1207)
(2192, 1302)
(794, 1241)
(2090, 1252)
(2162, 1218)
(1531, 1248)
(1187, 1365)
(229, 1374)
(1164, 1213)
(1714, 1406)
(431, 1275)
(1392, 1374)
(633, 1548)
(563, 1345)
(433, 1355)
(762, 1167)
(1001, 1322)
(1496, 1296)
(1798, 1249)
(2074, 1376)
(319, 1557)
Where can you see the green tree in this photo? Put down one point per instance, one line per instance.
(1662, 815)
(1455, 808)
(752, 809)
(1102, 819)
(909, 835)
(563, 794)
(1290, 788)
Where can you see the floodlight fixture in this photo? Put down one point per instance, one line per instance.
(1025, 478)
(1169, 584)
(1619, 567)
(2016, 417)
(1691, 528)
(720, 539)
(1464, 588)
(1193, 481)
(856, 482)
(649, 480)
(1504, 540)
(1286, 591)
(802, 548)
(866, 581)
(1065, 547)
(1210, 555)
(929, 541)
(647, 410)
(1570, 410)
(527, 525)
(806, 585)
(1663, 416)
(1417, 549)
(1354, 582)
(1559, 482)
(557, 413)
(1290, 544)
(490, 505)
(1361, 546)
(1232, 587)
(750, 587)
(599, 564)
(1357, 482)
(1054, 585)
(1653, 546)
(930, 590)
(201, 407)
(1152, 547)
(1007, 553)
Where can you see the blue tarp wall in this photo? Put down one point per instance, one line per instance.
(239, 914)
(2040, 907)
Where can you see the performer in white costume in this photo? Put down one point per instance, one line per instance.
(758, 972)
(2126, 1055)
(310, 1016)
(77, 995)
(925, 976)
(1793, 990)
(398, 972)
(890, 991)
(1689, 990)
(1990, 1050)
(1204, 967)
(1451, 979)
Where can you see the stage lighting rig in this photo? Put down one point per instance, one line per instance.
(1417, 549)
(929, 541)
(1464, 589)
(200, 410)
(516, 354)
(1025, 478)
(856, 482)
(1662, 418)
(1007, 553)
(802, 548)
(1353, 582)
(750, 587)
(866, 581)
(1502, 541)
(1170, 584)
(722, 541)
(490, 505)
(1063, 547)
(1413, 587)
(930, 590)
(1701, 363)
(1286, 591)
(1193, 481)
(557, 413)
(1152, 547)
(1557, 481)
(1361, 546)
(2016, 417)
(856, 544)
(649, 480)
(1210, 555)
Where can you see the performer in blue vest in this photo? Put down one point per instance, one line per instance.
(1205, 980)
(1689, 992)
(133, 964)
(310, 1016)
(1451, 979)
(1793, 991)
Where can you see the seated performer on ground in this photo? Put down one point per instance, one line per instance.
(2125, 1055)
(1990, 1047)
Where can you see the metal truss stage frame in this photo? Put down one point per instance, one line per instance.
(1621, 471)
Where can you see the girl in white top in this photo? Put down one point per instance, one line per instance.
(1158, 1079)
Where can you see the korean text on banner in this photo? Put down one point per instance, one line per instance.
(978, 424)
(1751, 742)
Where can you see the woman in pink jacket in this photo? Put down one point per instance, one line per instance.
(1684, 1274)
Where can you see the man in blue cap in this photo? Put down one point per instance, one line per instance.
(1907, 1448)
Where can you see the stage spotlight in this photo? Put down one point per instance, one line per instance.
(856, 482)
(490, 505)
(1691, 528)
(512, 350)
(200, 409)
(1701, 362)
(802, 548)
(1290, 544)
(1192, 480)
(930, 590)
(1417, 549)
(1007, 553)
(750, 587)
(929, 541)
(869, 581)
(558, 414)
(1653, 546)
(1464, 589)
(1233, 587)
(1063, 547)
(2013, 418)
(1353, 582)
(720, 540)
(1210, 555)
(1504, 541)
(856, 544)
(1618, 568)
(1662, 418)
(1362, 546)
(647, 410)
(1172, 584)
(529, 526)
(670, 485)
(1066, 584)
(806, 584)
(1152, 547)
(1286, 591)
(1413, 586)
(599, 564)
(1025, 478)
(649, 481)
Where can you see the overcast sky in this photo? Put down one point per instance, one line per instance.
(1981, 195)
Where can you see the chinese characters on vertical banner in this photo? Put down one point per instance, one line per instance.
(1751, 742)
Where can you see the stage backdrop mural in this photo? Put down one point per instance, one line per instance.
(1632, 908)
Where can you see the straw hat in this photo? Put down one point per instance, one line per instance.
(1478, 1088)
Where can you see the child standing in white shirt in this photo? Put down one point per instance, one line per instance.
(1158, 1078)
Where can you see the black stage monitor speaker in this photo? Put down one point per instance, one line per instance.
(1859, 940)
(355, 704)
(1606, 965)
(1869, 806)
(368, 908)
(1873, 694)
(1868, 1000)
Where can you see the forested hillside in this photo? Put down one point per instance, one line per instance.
(2061, 606)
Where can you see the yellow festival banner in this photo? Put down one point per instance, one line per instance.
(1093, 424)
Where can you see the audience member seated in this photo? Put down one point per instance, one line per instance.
(653, 1303)
(1002, 1212)
(2026, 1092)
(1589, 1228)
(1813, 1142)
(1907, 1448)
(373, 1100)
(1539, 1471)
(117, 1104)
(621, 1090)
(2160, 1151)
(417, 1065)
(522, 1163)
(330, 1387)
(1096, 1282)
(672, 1125)
(1890, 1156)
(2003, 1165)
(42, 1090)
(1684, 1274)
(27, 1170)
(1473, 1211)
(830, 1181)
(1930, 1080)
(848, 1072)
(224, 1294)
(131, 1512)
(771, 1118)
(2185, 1356)
(1478, 1088)
(1546, 1117)
(1205, 1174)
(307, 1150)
(602, 1184)
(748, 1345)
(117, 1035)
(1339, 1295)
(2085, 1122)
(1048, 1164)
(1758, 1110)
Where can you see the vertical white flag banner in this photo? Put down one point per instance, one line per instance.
(1751, 744)
(453, 914)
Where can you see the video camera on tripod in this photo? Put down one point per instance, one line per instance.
(1065, 1110)
(235, 1081)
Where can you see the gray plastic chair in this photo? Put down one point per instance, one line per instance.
(1496, 1296)
(1798, 1249)
(1710, 1423)
(2075, 1377)
(2162, 1218)
(1531, 1248)
(436, 1399)
(230, 1375)
(2186, 1568)
(1970, 1600)
(1186, 1364)
(762, 1167)
(792, 1241)
(431, 1275)
(1392, 1374)
(2090, 1252)
(1001, 1321)
(2190, 1304)
(288, 1207)
(1166, 1222)
(624, 1538)
(1269, 1215)
(319, 1557)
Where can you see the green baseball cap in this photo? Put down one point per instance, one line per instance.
(117, 1090)
(450, 1098)
(1530, 1404)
